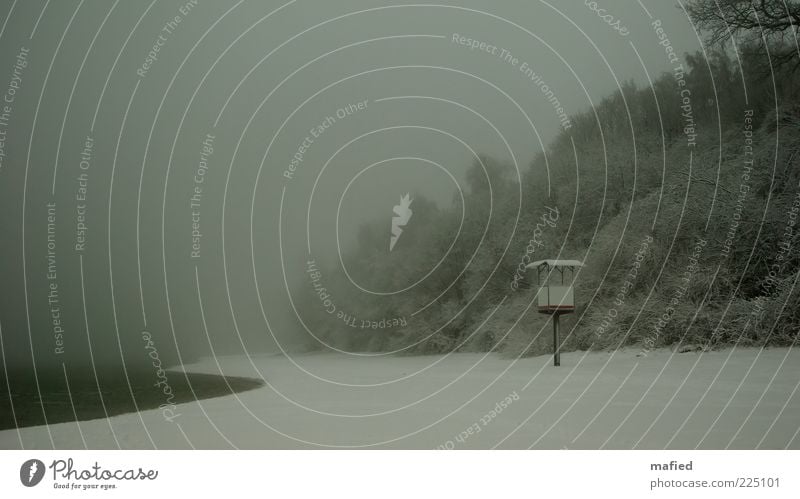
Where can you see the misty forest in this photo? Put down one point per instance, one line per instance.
(633, 187)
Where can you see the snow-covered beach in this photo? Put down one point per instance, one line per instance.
(742, 398)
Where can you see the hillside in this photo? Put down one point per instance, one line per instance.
(681, 198)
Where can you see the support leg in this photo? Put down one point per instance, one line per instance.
(556, 341)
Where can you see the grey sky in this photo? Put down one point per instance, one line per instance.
(380, 50)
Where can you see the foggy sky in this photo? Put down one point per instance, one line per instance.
(221, 61)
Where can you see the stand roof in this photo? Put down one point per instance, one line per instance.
(555, 263)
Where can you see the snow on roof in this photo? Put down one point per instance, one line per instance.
(555, 263)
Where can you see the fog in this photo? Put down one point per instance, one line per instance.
(147, 163)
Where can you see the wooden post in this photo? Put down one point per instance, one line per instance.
(556, 346)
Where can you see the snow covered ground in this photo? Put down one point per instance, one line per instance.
(736, 398)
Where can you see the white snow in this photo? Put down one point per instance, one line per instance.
(737, 398)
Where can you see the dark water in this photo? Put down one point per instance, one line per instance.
(111, 393)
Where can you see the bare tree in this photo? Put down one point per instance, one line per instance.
(769, 26)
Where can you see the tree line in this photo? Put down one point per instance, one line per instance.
(710, 228)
